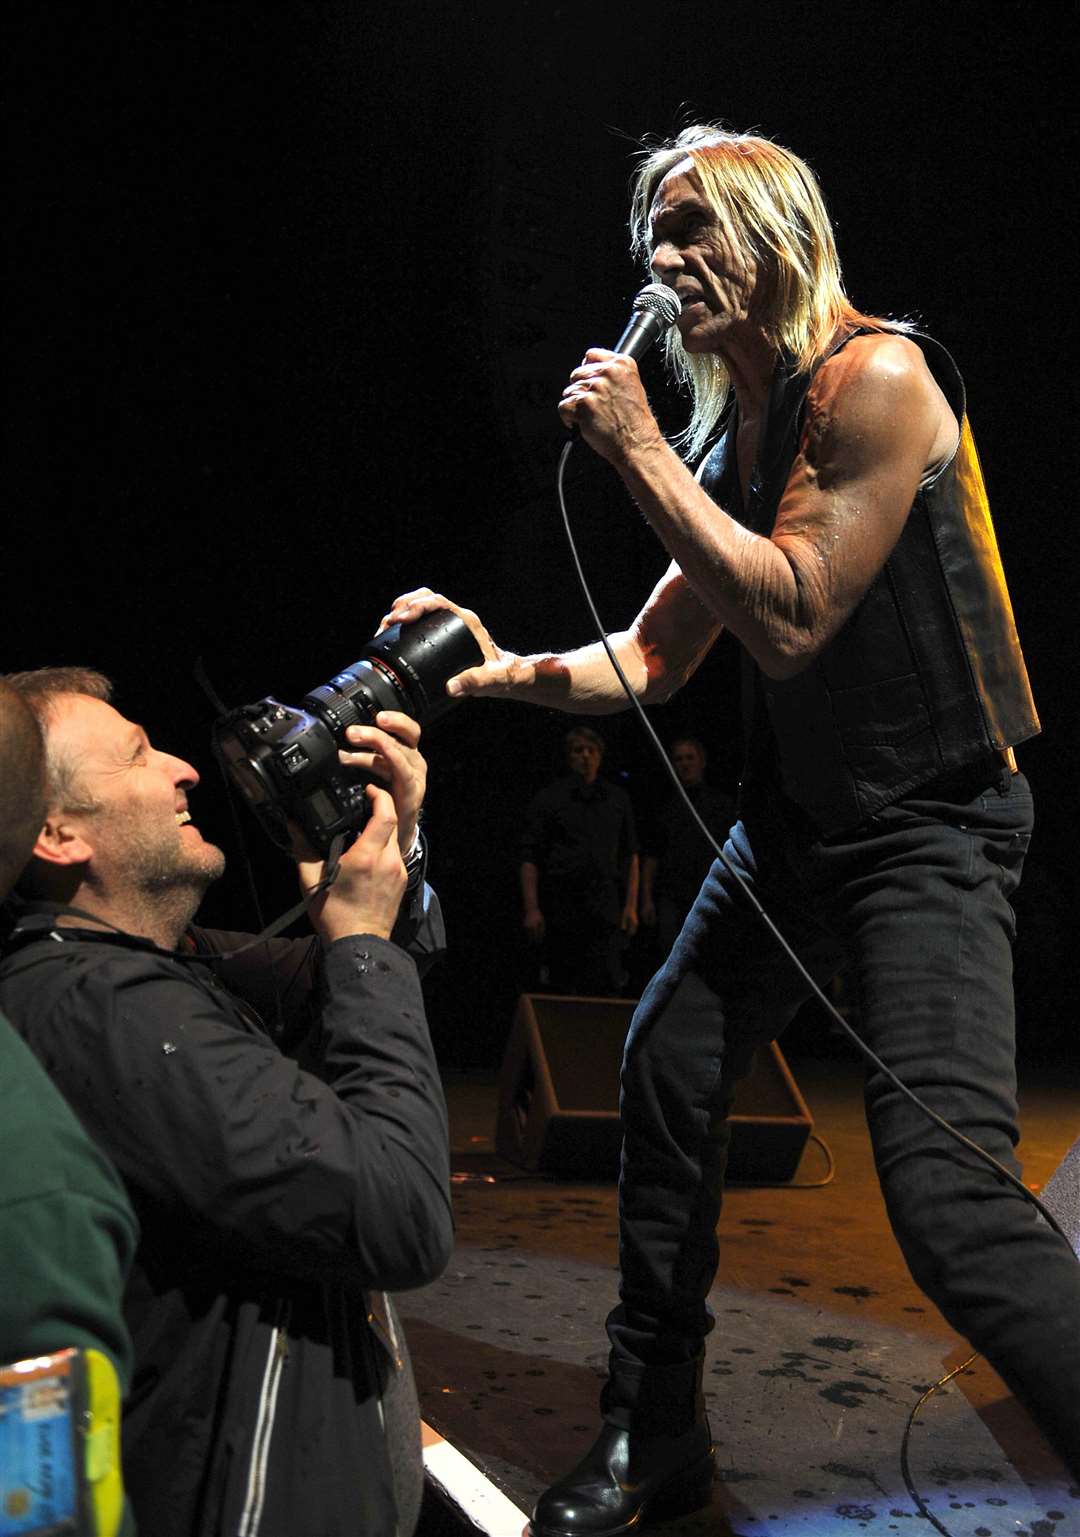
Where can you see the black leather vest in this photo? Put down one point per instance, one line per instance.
(927, 674)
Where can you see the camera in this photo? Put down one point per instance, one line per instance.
(283, 759)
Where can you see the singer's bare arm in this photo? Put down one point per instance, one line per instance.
(875, 424)
(658, 652)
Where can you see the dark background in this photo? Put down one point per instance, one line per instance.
(292, 291)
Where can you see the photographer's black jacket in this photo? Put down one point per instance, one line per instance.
(280, 1175)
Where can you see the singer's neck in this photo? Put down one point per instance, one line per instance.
(750, 361)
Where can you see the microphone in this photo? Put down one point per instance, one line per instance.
(653, 312)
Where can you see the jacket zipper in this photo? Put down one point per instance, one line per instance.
(251, 1515)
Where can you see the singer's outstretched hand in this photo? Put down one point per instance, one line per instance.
(501, 675)
(606, 402)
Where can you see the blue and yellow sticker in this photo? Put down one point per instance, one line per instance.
(39, 1462)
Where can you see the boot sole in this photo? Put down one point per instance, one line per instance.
(688, 1490)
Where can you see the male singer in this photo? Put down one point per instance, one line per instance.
(838, 527)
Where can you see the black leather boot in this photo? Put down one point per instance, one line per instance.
(626, 1477)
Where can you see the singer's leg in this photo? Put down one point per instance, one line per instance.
(725, 989)
(927, 915)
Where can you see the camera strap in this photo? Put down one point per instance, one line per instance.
(272, 930)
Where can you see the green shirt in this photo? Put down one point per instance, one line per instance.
(67, 1230)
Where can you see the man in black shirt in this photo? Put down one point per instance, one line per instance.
(579, 873)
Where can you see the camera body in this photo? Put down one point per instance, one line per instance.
(283, 759)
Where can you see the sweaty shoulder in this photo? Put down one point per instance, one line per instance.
(876, 391)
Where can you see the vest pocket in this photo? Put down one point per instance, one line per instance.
(887, 738)
(885, 713)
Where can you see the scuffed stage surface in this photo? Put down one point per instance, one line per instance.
(822, 1345)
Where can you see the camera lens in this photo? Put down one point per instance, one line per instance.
(405, 668)
(285, 761)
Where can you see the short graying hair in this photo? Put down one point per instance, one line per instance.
(41, 689)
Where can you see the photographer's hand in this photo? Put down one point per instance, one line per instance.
(366, 895)
(501, 675)
(389, 751)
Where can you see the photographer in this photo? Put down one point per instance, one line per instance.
(279, 1175)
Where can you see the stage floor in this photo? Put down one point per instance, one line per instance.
(822, 1345)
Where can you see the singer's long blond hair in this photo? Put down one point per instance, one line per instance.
(767, 199)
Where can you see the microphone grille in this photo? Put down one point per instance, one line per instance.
(658, 300)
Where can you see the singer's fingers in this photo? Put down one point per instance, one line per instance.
(486, 679)
(419, 595)
(573, 395)
(411, 605)
(569, 407)
(596, 369)
(471, 681)
(581, 384)
(601, 365)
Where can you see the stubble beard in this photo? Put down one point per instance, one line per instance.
(169, 883)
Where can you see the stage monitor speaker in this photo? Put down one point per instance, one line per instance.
(1062, 1195)
(559, 1096)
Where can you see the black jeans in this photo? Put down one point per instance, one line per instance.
(915, 905)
